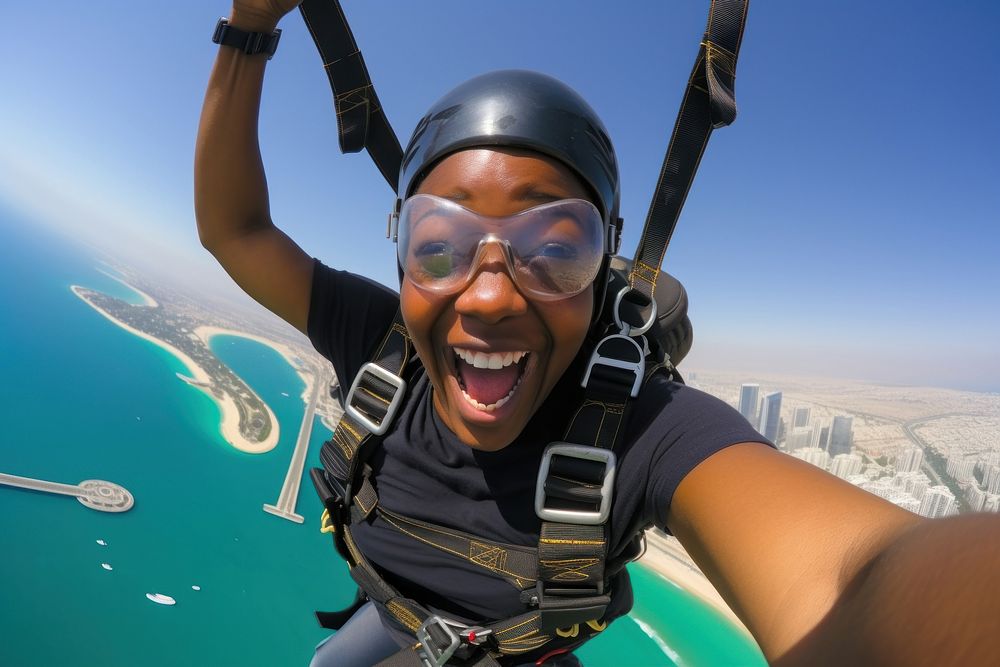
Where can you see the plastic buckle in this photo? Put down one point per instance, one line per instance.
(637, 366)
(582, 517)
(390, 412)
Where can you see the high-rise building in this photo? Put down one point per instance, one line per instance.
(937, 502)
(770, 416)
(991, 479)
(813, 455)
(845, 465)
(992, 503)
(976, 498)
(841, 436)
(912, 483)
(960, 468)
(800, 417)
(749, 395)
(909, 459)
(798, 438)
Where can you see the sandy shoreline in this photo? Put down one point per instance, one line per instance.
(207, 332)
(230, 416)
(147, 300)
(667, 558)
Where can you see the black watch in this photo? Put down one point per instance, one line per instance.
(247, 42)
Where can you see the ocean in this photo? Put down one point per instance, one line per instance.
(84, 399)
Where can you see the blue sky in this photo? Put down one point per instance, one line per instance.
(847, 224)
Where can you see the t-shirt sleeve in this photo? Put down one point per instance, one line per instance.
(348, 316)
(690, 427)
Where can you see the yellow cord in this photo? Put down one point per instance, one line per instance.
(325, 525)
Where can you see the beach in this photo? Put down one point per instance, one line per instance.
(666, 557)
(199, 378)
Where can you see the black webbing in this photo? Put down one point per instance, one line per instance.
(709, 102)
(361, 122)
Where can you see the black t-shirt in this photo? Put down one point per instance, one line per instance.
(424, 471)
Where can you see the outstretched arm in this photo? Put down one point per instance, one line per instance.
(230, 188)
(823, 573)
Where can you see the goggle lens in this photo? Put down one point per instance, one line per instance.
(552, 251)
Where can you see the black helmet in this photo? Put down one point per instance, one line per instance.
(520, 109)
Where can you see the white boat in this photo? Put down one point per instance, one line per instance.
(285, 394)
(196, 588)
(102, 543)
(106, 566)
(160, 598)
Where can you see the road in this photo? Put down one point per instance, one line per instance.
(287, 499)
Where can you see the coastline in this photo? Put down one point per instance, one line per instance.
(207, 332)
(147, 300)
(667, 558)
(230, 416)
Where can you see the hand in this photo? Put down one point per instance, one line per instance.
(260, 15)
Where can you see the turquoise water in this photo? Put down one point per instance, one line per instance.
(85, 399)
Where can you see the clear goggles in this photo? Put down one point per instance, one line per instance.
(553, 251)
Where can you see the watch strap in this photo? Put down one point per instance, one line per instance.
(250, 43)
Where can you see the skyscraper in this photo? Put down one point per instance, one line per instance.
(937, 502)
(909, 460)
(749, 394)
(770, 416)
(845, 465)
(841, 436)
(800, 417)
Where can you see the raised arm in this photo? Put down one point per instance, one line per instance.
(823, 573)
(230, 188)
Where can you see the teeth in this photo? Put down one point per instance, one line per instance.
(494, 360)
(492, 406)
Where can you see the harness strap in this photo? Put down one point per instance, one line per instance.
(709, 103)
(361, 122)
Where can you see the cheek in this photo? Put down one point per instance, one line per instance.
(421, 314)
(569, 322)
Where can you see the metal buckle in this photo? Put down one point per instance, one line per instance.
(588, 453)
(390, 412)
(431, 655)
(625, 327)
(638, 367)
(458, 636)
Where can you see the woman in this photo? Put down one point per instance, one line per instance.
(503, 259)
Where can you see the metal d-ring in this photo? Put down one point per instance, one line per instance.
(626, 328)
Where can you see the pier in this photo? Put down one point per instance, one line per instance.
(287, 499)
(93, 493)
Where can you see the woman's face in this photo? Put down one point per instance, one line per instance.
(489, 315)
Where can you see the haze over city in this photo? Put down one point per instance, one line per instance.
(844, 226)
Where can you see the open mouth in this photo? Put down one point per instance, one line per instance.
(489, 379)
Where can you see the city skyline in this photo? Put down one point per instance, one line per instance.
(827, 204)
(955, 470)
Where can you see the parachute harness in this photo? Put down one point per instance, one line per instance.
(563, 582)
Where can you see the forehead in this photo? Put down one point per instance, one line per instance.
(505, 173)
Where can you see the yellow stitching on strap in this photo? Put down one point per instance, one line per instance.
(374, 395)
(404, 615)
(550, 540)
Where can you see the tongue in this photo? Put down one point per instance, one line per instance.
(487, 385)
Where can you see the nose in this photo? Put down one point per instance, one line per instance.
(491, 295)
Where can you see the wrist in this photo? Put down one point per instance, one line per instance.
(251, 21)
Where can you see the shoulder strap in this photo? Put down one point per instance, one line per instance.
(361, 121)
(709, 103)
